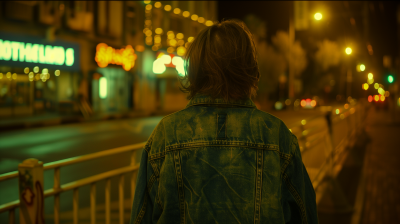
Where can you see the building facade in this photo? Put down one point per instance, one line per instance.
(95, 57)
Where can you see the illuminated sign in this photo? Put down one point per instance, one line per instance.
(168, 60)
(103, 88)
(21, 51)
(106, 55)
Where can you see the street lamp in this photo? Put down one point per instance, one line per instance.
(317, 16)
(348, 50)
(390, 78)
(362, 67)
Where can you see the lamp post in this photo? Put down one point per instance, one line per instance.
(349, 77)
(317, 16)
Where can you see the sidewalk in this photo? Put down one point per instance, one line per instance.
(382, 169)
(367, 189)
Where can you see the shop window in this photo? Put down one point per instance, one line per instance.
(131, 20)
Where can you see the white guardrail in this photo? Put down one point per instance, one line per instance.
(328, 138)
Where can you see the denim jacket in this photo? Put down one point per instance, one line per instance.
(219, 161)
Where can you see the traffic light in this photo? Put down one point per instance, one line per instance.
(390, 78)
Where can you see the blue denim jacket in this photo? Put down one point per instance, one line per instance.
(222, 162)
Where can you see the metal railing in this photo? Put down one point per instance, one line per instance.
(324, 134)
(57, 188)
(335, 132)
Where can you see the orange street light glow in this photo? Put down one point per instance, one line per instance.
(106, 55)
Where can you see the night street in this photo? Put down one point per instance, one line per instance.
(83, 84)
(54, 143)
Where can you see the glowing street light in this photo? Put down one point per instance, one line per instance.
(370, 76)
(348, 50)
(362, 67)
(317, 16)
(390, 78)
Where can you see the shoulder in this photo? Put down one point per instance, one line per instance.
(157, 137)
(284, 136)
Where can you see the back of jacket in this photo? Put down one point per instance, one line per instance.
(221, 161)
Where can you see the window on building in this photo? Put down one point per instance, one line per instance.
(131, 19)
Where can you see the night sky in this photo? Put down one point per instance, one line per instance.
(382, 33)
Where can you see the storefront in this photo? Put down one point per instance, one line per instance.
(37, 76)
(111, 88)
(167, 68)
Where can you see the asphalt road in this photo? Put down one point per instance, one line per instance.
(59, 142)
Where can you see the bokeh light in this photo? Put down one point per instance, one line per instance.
(167, 8)
(362, 67)
(209, 23)
(194, 17)
(177, 10)
(157, 4)
(317, 16)
(348, 51)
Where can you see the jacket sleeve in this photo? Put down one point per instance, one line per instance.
(145, 208)
(298, 195)
(142, 204)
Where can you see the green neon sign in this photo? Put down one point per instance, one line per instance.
(36, 53)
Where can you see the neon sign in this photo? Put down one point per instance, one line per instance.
(106, 55)
(20, 50)
(168, 60)
(36, 53)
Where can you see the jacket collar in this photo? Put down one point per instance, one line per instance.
(201, 99)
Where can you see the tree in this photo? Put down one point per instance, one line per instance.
(273, 58)
(327, 59)
(328, 55)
